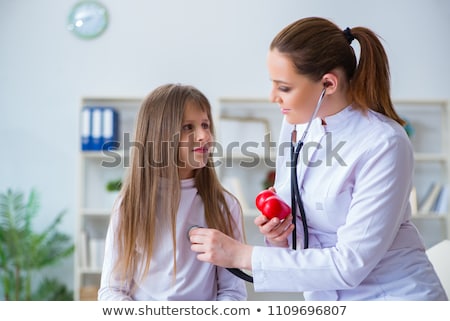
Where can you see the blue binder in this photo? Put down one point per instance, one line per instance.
(99, 128)
(96, 128)
(110, 129)
(86, 136)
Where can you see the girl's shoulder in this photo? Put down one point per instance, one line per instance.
(232, 201)
(230, 198)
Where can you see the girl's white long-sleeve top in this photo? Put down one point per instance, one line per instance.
(355, 176)
(195, 280)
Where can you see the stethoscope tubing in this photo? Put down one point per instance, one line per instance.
(296, 198)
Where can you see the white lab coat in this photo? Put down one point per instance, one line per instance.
(195, 280)
(355, 175)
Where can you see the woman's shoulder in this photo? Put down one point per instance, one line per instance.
(371, 133)
(382, 133)
(375, 126)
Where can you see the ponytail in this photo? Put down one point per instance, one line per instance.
(370, 85)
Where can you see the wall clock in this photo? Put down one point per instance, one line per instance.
(88, 19)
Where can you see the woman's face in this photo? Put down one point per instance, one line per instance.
(195, 141)
(296, 94)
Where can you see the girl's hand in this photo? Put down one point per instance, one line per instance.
(275, 231)
(219, 249)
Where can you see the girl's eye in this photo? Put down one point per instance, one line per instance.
(205, 125)
(187, 127)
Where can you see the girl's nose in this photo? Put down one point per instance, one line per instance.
(201, 134)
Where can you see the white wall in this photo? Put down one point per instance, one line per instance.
(219, 46)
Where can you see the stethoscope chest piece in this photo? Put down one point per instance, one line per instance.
(237, 272)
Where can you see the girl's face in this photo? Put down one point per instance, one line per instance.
(296, 94)
(195, 141)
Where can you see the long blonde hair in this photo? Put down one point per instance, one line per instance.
(154, 172)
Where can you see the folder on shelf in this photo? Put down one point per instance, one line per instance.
(86, 136)
(99, 128)
(430, 198)
(441, 205)
(96, 128)
(110, 128)
(84, 261)
(96, 252)
(413, 201)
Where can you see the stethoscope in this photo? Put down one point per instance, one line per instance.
(237, 272)
(295, 191)
(296, 198)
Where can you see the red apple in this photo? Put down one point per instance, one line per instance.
(261, 198)
(274, 206)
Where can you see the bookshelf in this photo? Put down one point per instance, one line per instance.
(430, 121)
(96, 169)
(244, 166)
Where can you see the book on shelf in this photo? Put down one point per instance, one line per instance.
(83, 253)
(99, 128)
(441, 205)
(92, 251)
(96, 252)
(413, 201)
(427, 205)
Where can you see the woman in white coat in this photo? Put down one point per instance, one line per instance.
(354, 177)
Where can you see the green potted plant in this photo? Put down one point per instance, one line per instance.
(113, 187)
(24, 252)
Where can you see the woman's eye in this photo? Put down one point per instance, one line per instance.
(284, 89)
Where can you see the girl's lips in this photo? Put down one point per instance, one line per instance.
(201, 150)
(284, 110)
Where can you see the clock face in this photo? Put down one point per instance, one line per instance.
(88, 19)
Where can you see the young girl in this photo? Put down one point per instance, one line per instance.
(358, 241)
(171, 187)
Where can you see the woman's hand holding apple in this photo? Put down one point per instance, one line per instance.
(271, 205)
(276, 222)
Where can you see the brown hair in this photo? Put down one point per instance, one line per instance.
(317, 46)
(154, 173)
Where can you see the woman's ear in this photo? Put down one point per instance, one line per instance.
(329, 81)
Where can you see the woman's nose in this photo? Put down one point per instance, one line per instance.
(273, 97)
